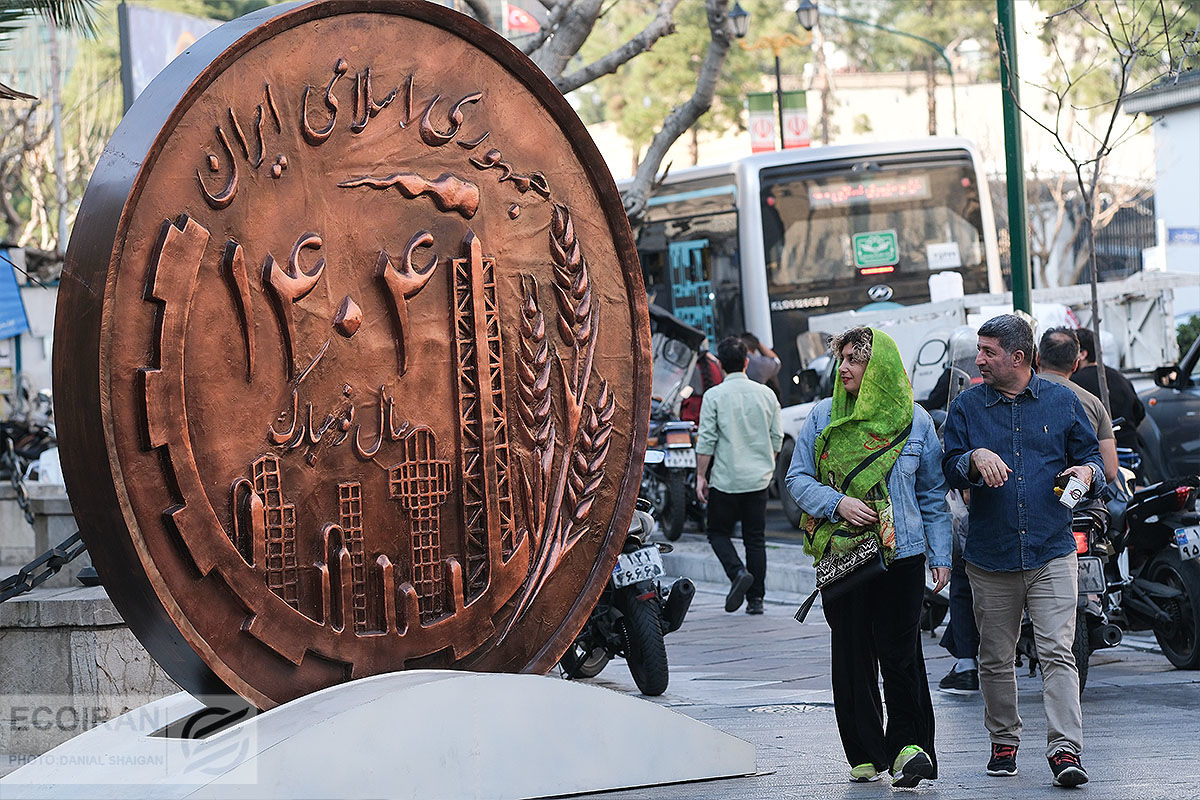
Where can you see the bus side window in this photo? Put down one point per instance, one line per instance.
(691, 290)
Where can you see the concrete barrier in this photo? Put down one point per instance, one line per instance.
(788, 568)
(69, 664)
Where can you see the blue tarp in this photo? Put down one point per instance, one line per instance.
(13, 321)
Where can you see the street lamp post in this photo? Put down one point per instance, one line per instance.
(808, 14)
(777, 44)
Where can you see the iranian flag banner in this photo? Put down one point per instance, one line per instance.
(761, 107)
(796, 132)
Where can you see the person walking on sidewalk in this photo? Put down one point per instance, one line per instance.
(741, 430)
(1122, 397)
(1057, 355)
(961, 637)
(1007, 440)
(901, 498)
(764, 364)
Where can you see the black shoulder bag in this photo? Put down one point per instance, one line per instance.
(837, 575)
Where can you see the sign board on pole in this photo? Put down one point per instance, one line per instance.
(1183, 236)
(796, 132)
(761, 106)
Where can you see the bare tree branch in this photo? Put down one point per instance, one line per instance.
(558, 10)
(685, 115)
(567, 37)
(1065, 11)
(480, 11)
(662, 25)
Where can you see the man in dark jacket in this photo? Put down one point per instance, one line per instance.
(1122, 398)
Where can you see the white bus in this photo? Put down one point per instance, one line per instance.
(761, 243)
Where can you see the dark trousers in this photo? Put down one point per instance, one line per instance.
(961, 637)
(876, 630)
(724, 511)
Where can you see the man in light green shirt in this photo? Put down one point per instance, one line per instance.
(741, 430)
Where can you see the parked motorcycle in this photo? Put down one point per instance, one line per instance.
(1138, 570)
(670, 485)
(1157, 573)
(26, 434)
(633, 614)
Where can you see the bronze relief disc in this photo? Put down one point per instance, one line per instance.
(352, 356)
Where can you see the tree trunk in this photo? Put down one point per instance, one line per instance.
(931, 93)
(826, 87)
(694, 146)
(684, 116)
(931, 80)
(60, 170)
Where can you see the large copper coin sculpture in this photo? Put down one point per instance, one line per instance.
(351, 356)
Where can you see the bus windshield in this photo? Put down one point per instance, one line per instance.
(839, 229)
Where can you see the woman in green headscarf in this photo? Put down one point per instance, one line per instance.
(867, 463)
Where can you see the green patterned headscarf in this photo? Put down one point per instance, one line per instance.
(880, 416)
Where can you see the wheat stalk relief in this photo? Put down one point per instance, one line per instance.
(563, 472)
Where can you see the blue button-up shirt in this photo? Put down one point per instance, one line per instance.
(1039, 433)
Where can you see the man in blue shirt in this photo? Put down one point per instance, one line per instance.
(1007, 440)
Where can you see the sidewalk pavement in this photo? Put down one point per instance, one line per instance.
(766, 680)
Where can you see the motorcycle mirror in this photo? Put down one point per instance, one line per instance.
(654, 457)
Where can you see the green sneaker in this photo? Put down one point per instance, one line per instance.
(864, 773)
(912, 766)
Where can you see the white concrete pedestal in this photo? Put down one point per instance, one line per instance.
(419, 734)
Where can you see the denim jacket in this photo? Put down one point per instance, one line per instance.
(916, 485)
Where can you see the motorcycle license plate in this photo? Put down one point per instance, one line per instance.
(679, 459)
(1188, 540)
(1091, 575)
(640, 565)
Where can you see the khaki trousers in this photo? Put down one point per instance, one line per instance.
(1049, 594)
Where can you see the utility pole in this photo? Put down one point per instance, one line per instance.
(1018, 221)
(60, 169)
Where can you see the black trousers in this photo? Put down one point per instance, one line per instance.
(724, 511)
(876, 630)
(961, 637)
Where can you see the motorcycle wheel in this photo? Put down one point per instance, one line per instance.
(578, 662)
(790, 509)
(674, 509)
(1081, 648)
(1178, 639)
(645, 650)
